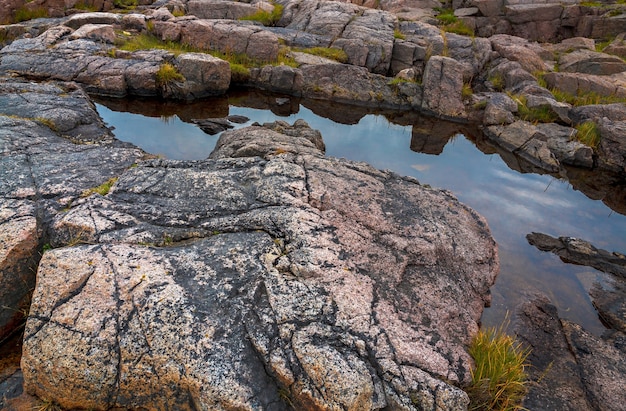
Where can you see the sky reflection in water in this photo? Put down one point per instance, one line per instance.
(514, 204)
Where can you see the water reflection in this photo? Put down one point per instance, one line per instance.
(441, 154)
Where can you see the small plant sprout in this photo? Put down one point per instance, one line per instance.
(168, 74)
(588, 134)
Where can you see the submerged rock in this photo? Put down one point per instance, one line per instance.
(266, 277)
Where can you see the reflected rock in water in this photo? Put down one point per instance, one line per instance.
(339, 113)
(212, 126)
(214, 107)
(429, 135)
(282, 106)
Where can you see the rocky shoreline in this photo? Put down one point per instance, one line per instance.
(281, 279)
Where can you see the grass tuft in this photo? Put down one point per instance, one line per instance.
(167, 74)
(585, 98)
(266, 18)
(397, 34)
(446, 16)
(588, 133)
(459, 27)
(499, 378)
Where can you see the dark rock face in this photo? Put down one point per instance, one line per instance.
(265, 277)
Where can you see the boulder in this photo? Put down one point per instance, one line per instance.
(443, 84)
(520, 139)
(204, 74)
(579, 83)
(612, 149)
(617, 47)
(606, 26)
(77, 20)
(499, 109)
(616, 112)
(96, 32)
(591, 62)
(356, 85)
(280, 79)
(230, 37)
(217, 9)
(300, 282)
(519, 50)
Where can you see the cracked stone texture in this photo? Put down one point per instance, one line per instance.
(570, 368)
(53, 146)
(266, 282)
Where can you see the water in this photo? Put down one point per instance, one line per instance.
(514, 203)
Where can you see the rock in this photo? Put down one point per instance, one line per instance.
(535, 22)
(409, 74)
(617, 47)
(609, 299)
(578, 83)
(591, 62)
(616, 112)
(19, 242)
(562, 144)
(134, 21)
(612, 149)
(474, 53)
(443, 84)
(217, 9)
(520, 139)
(300, 281)
(466, 11)
(296, 38)
(499, 109)
(96, 32)
(49, 133)
(602, 367)
(281, 79)
(577, 251)
(213, 126)
(239, 37)
(355, 85)
(204, 74)
(306, 58)
(77, 20)
(554, 374)
(519, 50)
(607, 26)
(368, 40)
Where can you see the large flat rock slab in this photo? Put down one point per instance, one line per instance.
(266, 277)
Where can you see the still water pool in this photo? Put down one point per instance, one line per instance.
(437, 153)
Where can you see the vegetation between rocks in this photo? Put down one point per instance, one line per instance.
(168, 74)
(499, 378)
(326, 52)
(25, 14)
(588, 133)
(267, 18)
(102, 189)
(539, 114)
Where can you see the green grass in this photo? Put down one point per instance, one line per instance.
(459, 27)
(397, 34)
(588, 134)
(125, 4)
(499, 378)
(540, 114)
(267, 18)
(167, 74)
(446, 16)
(467, 91)
(25, 14)
(497, 81)
(327, 52)
(81, 5)
(585, 98)
(102, 189)
(591, 4)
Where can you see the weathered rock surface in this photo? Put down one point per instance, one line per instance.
(443, 85)
(577, 251)
(53, 146)
(591, 62)
(299, 281)
(571, 369)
